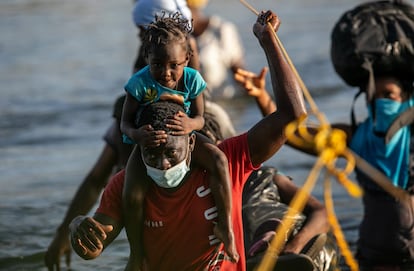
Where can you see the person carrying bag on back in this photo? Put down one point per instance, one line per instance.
(372, 49)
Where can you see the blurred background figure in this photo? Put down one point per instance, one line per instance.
(220, 50)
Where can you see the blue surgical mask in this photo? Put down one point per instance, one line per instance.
(386, 111)
(168, 178)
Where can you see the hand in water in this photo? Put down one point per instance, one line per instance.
(87, 236)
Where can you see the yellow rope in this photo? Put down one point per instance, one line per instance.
(306, 92)
(330, 144)
(336, 228)
(297, 204)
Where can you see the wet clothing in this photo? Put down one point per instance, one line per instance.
(178, 226)
(391, 159)
(261, 204)
(263, 211)
(386, 233)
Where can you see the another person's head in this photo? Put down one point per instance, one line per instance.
(390, 87)
(168, 163)
(197, 4)
(201, 21)
(166, 48)
(391, 97)
(144, 11)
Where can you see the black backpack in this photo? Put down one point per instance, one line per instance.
(374, 36)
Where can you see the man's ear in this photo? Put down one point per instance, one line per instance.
(191, 141)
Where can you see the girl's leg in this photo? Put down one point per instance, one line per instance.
(210, 157)
(224, 228)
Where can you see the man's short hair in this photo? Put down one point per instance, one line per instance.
(156, 113)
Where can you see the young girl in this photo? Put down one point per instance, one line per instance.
(166, 77)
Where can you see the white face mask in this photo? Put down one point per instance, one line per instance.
(168, 178)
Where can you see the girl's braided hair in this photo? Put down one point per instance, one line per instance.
(167, 28)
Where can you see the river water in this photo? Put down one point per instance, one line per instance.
(63, 63)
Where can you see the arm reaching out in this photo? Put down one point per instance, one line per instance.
(268, 136)
(255, 86)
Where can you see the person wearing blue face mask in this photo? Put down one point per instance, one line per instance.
(372, 139)
(386, 140)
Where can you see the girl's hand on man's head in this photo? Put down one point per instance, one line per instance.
(147, 136)
(181, 124)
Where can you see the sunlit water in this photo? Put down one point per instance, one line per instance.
(63, 63)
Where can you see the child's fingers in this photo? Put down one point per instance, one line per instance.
(155, 138)
(147, 128)
(158, 133)
(178, 133)
(175, 128)
(155, 142)
(180, 114)
(155, 134)
(176, 124)
(178, 117)
(170, 122)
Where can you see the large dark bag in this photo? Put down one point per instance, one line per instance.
(375, 36)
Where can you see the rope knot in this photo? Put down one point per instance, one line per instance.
(333, 139)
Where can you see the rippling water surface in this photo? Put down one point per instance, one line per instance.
(63, 63)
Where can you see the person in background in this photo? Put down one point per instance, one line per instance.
(309, 245)
(220, 50)
(386, 246)
(172, 241)
(381, 246)
(112, 158)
